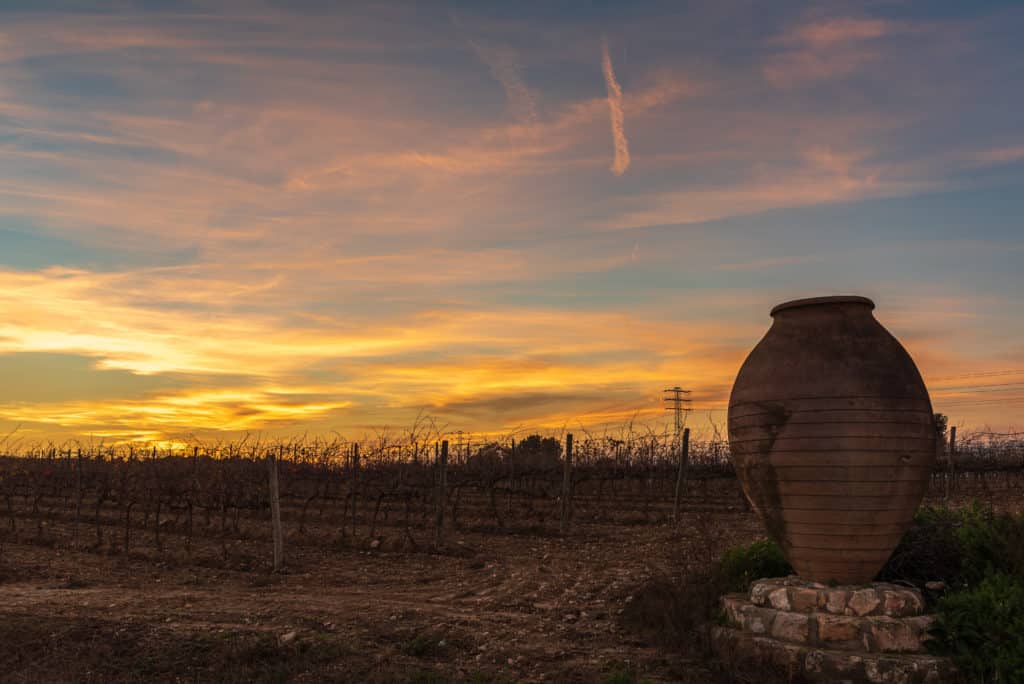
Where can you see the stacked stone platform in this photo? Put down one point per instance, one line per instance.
(812, 632)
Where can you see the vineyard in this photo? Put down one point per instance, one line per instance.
(396, 495)
(398, 560)
(403, 495)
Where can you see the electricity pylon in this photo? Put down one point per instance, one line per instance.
(680, 404)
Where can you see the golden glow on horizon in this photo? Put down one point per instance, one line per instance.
(585, 368)
(83, 313)
(204, 410)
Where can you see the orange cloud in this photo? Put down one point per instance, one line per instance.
(121, 320)
(838, 30)
(826, 50)
(582, 367)
(823, 176)
(237, 410)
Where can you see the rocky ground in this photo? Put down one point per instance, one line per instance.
(615, 600)
(601, 604)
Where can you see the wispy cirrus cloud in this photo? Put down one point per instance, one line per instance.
(824, 50)
(820, 175)
(1001, 155)
(835, 31)
(504, 65)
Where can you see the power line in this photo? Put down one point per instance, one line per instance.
(981, 374)
(978, 402)
(979, 388)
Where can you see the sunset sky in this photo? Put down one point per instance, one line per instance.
(219, 218)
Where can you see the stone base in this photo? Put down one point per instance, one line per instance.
(746, 654)
(811, 632)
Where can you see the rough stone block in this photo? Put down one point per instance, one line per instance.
(757, 620)
(836, 601)
(901, 602)
(888, 635)
(760, 590)
(831, 666)
(863, 602)
(838, 628)
(803, 600)
(793, 627)
(779, 599)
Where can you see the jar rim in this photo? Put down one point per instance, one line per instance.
(816, 301)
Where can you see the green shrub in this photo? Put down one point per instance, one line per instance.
(929, 551)
(742, 565)
(982, 629)
(957, 546)
(990, 544)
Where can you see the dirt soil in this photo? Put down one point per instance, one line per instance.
(617, 599)
(486, 606)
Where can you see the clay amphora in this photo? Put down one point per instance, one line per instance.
(833, 437)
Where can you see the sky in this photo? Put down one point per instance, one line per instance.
(221, 218)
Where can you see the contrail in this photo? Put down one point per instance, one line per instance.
(621, 162)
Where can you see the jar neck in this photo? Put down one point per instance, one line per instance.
(818, 302)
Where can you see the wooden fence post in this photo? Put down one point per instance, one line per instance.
(193, 487)
(78, 487)
(355, 487)
(442, 485)
(684, 462)
(511, 474)
(563, 523)
(951, 461)
(275, 513)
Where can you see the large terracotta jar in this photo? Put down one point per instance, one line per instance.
(833, 437)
